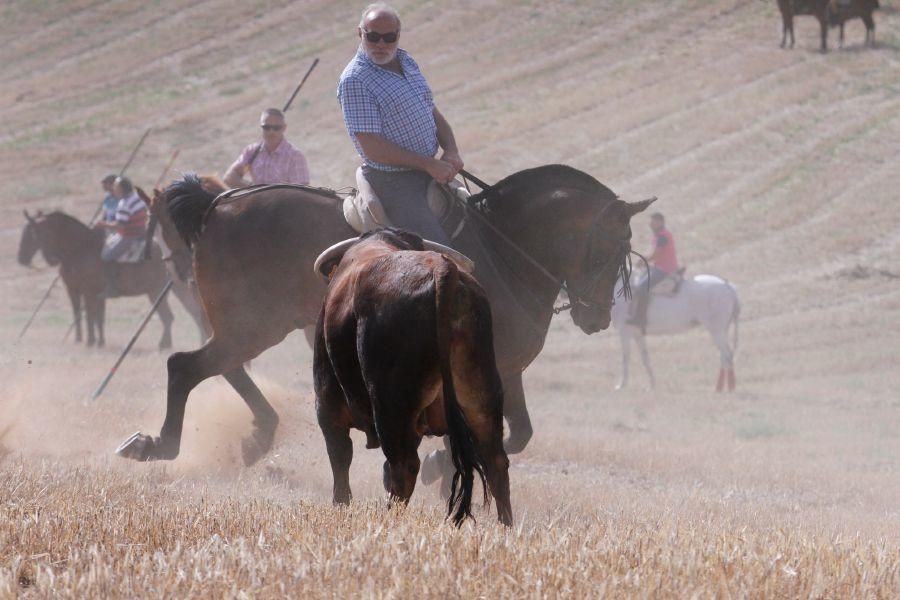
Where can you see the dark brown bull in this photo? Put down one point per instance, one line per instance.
(401, 330)
(827, 12)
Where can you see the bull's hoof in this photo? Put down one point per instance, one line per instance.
(433, 466)
(137, 447)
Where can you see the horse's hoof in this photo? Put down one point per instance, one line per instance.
(137, 447)
(254, 448)
(433, 466)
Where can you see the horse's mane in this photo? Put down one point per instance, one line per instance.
(536, 181)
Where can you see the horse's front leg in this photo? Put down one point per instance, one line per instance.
(645, 358)
(75, 300)
(516, 413)
(164, 312)
(626, 359)
(186, 371)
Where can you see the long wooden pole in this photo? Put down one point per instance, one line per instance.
(93, 218)
(127, 349)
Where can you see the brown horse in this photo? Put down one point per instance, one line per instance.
(65, 241)
(253, 258)
(827, 12)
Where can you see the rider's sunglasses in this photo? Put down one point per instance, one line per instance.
(272, 127)
(389, 38)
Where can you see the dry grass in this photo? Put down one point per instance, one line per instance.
(94, 532)
(776, 169)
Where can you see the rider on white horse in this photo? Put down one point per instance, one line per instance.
(663, 262)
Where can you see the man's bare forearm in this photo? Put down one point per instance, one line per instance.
(234, 179)
(445, 133)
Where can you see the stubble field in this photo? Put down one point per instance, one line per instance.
(776, 169)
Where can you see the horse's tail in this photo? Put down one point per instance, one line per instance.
(188, 202)
(466, 459)
(735, 316)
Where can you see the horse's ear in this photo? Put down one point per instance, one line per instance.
(143, 195)
(633, 208)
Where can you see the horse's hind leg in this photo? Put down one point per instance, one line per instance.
(726, 357)
(166, 316)
(265, 419)
(870, 30)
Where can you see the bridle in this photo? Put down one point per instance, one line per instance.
(578, 296)
(50, 257)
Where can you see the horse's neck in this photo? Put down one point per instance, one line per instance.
(70, 237)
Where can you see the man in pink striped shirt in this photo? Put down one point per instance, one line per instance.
(274, 160)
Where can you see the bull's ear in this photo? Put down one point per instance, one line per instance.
(143, 195)
(633, 208)
(28, 217)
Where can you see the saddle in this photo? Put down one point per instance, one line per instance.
(670, 285)
(364, 212)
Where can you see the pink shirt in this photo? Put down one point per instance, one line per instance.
(285, 165)
(664, 249)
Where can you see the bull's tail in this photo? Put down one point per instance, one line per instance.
(466, 459)
(187, 202)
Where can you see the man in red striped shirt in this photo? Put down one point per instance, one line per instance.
(663, 262)
(129, 227)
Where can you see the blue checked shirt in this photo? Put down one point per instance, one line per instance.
(400, 108)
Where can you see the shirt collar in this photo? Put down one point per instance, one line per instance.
(281, 148)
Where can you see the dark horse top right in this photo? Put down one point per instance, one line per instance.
(832, 13)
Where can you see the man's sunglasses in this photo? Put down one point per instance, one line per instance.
(389, 38)
(272, 127)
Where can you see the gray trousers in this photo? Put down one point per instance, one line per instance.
(403, 195)
(115, 251)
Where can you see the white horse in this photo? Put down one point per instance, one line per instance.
(703, 300)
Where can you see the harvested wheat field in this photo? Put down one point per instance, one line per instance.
(777, 169)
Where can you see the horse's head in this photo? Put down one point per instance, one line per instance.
(36, 237)
(181, 255)
(604, 260)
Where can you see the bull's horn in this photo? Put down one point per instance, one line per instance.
(327, 260)
(464, 262)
